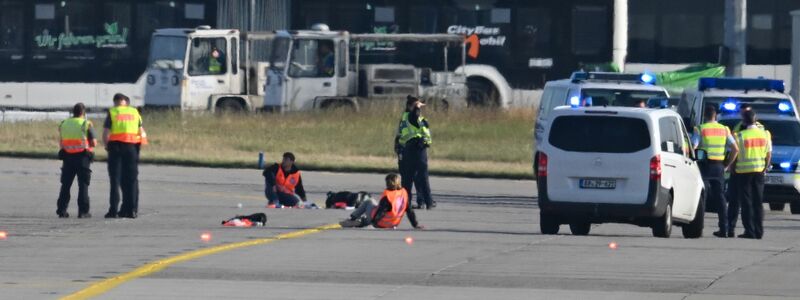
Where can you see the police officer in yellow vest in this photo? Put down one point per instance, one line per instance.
(123, 135)
(733, 203)
(411, 144)
(77, 150)
(715, 138)
(752, 164)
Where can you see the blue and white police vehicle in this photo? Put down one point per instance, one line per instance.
(584, 89)
(774, 109)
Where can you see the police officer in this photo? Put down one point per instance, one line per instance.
(756, 153)
(733, 199)
(412, 142)
(714, 138)
(77, 146)
(123, 135)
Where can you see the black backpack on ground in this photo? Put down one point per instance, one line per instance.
(345, 198)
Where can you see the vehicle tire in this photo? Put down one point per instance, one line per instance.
(230, 106)
(339, 105)
(481, 93)
(549, 223)
(694, 229)
(777, 206)
(580, 228)
(795, 207)
(662, 226)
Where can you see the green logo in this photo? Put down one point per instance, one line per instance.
(112, 38)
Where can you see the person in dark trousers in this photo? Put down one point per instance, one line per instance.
(733, 200)
(77, 140)
(388, 211)
(715, 138)
(284, 185)
(123, 136)
(751, 166)
(412, 142)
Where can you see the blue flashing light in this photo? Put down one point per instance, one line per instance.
(575, 101)
(648, 78)
(786, 165)
(741, 84)
(784, 106)
(730, 106)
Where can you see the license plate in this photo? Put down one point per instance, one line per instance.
(773, 180)
(598, 184)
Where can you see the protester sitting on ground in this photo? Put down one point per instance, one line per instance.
(284, 186)
(388, 212)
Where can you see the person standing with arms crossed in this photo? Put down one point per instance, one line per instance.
(412, 142)
(77, 151)
(123, 136)
(714, 138)
(751, 166)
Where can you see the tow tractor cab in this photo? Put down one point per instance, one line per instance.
(205, 69)
(311, 69)
(595, 89)
(618, 164)
(777, 112)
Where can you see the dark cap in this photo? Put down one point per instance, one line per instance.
(413, 99)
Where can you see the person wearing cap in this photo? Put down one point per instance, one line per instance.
(77, 139)
(123, 136)
(411, 145)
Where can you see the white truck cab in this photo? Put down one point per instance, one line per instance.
(203, 69)
(618, 164)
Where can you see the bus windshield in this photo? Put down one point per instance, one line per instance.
(167, 52)
(611, 97)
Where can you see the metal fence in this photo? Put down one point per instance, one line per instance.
(266, 15)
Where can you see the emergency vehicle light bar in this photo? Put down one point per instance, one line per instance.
(741, 84)
(608, 76)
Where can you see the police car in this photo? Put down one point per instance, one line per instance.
(622, 165)
(595, 89)
(774, 109)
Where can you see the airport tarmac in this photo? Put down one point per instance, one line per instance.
(481, 242)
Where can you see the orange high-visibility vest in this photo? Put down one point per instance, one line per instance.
(75, 135)
(125, 123)
(286, 184)
(399, 201)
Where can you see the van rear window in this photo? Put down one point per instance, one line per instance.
(599, 134)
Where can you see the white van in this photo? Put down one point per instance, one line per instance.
(594, 89)
(622, 165)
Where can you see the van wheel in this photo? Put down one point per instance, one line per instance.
(694, 229)
(580, 228)
(795, 207)
(777, 206)
(549, 223)
(662, 226)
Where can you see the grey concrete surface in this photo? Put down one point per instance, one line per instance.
(482, 242)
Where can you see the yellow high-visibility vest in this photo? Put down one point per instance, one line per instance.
(75, 135)
(713, 137)
(408, 131)
(125, 123)
(753, 144)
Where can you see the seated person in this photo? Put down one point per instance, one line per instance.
(640, 103)
(326, 59)
(388, 212)
(284, 186)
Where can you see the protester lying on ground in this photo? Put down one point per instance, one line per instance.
(388, 212)
(345, 199)
(284, 186)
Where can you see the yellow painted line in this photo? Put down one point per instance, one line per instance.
(106, 285)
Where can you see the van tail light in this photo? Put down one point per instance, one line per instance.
(542, 171)
(655, 167)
